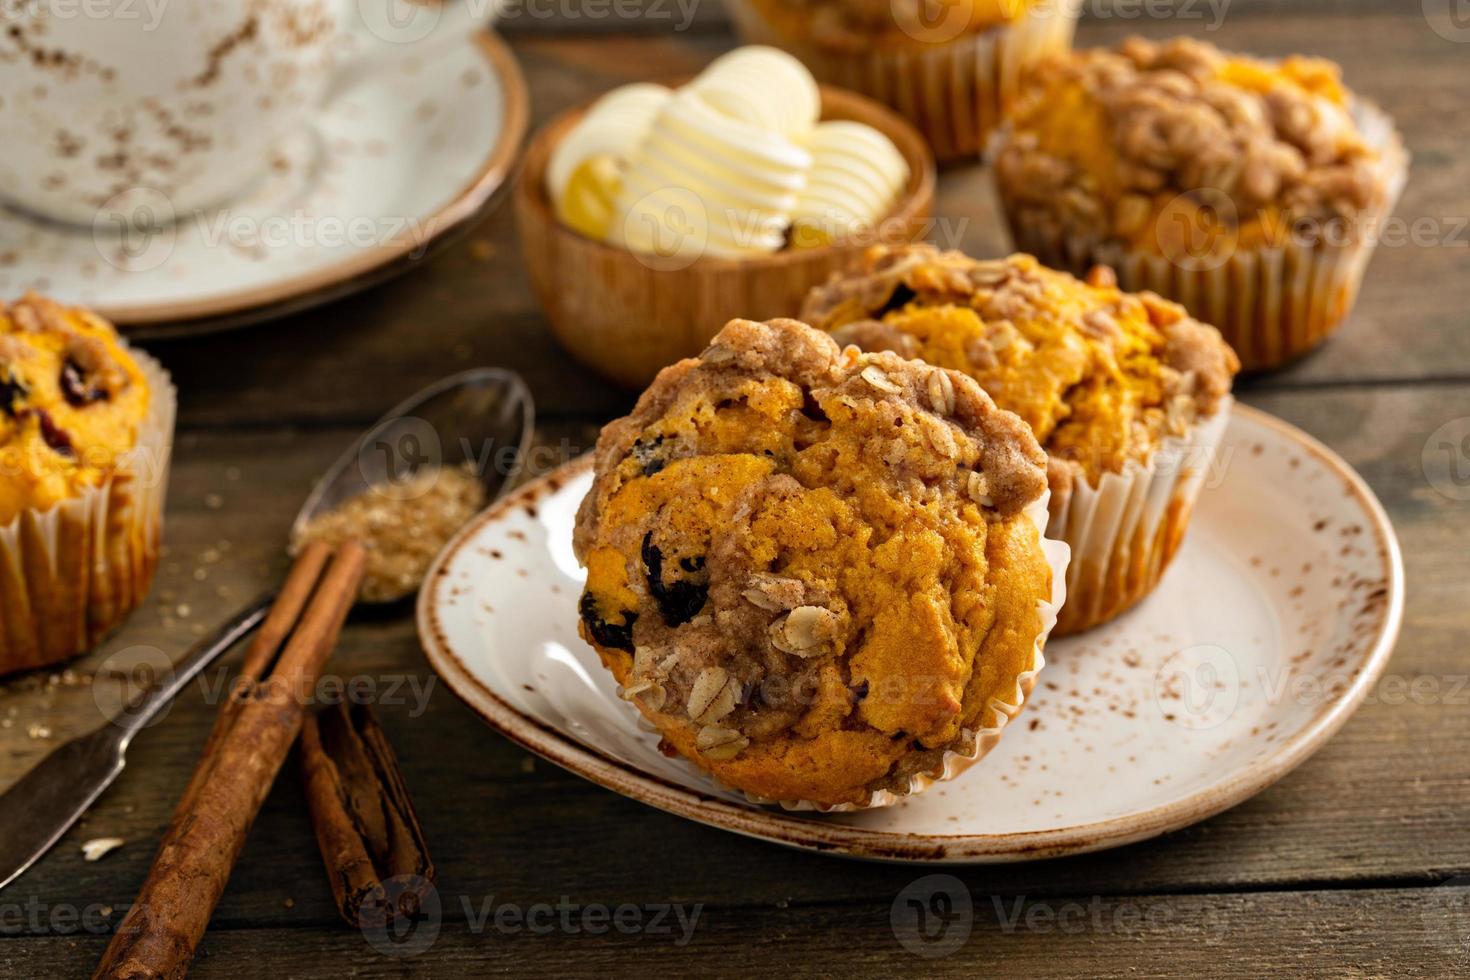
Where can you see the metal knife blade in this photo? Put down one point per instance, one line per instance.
(46, 801)
(43, 804)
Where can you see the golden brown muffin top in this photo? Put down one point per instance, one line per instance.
(1109, 139)
(857, 26)
(72, 402)
(812, 567)
(1100, 375)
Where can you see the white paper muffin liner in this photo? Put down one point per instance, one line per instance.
(1272, 304)
(973, 744)
(1124, 531)
(72, 573)
(957, 92)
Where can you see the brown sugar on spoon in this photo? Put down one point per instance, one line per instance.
(402, 526)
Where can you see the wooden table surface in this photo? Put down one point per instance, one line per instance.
(1355, 865)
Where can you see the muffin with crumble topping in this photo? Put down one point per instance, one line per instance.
(1252, 192)
(85, 428)
(1127, 394)
(951, 67)
(821, 574)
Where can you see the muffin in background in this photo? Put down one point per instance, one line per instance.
(820, 574)
(1252, 192)
(952, 69)
(86, 426)
(1127, 394)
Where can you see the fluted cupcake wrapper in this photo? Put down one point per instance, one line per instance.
(1124, 532)
(1271, 303)
(972, 744)
(72, 573)
(955, 92)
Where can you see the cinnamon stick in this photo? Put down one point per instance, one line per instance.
(161, 931)
(364, 819)
(260, 657)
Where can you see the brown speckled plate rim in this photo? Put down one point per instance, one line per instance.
(293, 293)
(825, 836)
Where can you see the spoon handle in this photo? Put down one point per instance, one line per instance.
(140, 712)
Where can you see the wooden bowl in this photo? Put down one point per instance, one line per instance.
(626, 317)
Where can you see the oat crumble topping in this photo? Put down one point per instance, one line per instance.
(1100, 375)
(1105, 140)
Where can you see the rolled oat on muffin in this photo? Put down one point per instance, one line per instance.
(1127, 394)
(821, 574)
(1250, 191)
(85, 430)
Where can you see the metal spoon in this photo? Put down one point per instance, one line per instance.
(483, 417)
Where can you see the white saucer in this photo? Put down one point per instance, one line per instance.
(1278, 616)
(388, 170)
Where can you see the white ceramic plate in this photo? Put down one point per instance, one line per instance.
(386, 171)
(1278, 615)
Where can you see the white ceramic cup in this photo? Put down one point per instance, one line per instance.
(183, 100)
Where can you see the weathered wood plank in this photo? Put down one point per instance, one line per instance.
(1360, 934)
(1383, 802)
(471, 305)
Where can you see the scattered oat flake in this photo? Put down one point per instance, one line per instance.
(98, 848)
(213, 501)
(38, 731)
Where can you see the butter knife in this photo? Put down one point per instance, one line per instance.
(44, 803)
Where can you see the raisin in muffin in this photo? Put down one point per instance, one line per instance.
(1250, 191)
(1106, 380)
(821, 574)
(948, 67)
(85, 424)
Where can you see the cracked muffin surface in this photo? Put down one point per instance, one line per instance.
(72, 403)
(814, 570)
(1100, 375)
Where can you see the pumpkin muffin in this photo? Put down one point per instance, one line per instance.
(1250, 191)
(1106, 380)
(950, 68)
(85, 424)
(821, 574)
